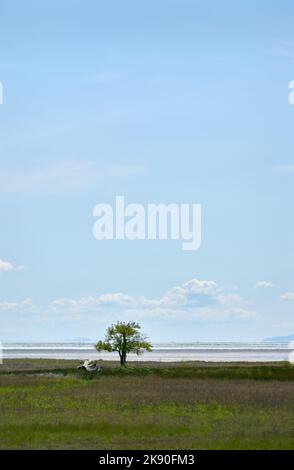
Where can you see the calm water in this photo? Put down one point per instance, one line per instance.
(165, 352)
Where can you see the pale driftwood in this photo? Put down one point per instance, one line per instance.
(89, 366)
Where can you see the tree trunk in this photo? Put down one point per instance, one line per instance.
(121, 358)
(123, 352)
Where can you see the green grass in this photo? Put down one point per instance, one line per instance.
(250, 371)
(51, 405)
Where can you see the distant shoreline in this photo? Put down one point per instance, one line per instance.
(165, 352)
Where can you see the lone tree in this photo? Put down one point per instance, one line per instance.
(124, 338)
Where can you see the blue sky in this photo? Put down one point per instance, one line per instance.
(160, 101)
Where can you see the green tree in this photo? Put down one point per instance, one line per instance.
(124, 338)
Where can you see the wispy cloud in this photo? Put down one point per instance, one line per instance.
(198, 299)
(289, 296)
(66, 175)
(263, 284)
(6, 266)
(287, 168)
(23, 306)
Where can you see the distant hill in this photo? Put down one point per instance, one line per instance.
(281, 339)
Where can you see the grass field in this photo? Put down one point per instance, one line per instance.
(46, 404)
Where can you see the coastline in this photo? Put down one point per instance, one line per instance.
(167, 353)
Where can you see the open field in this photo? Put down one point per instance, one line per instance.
(47, 404)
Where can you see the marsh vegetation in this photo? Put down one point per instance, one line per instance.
(47, 404)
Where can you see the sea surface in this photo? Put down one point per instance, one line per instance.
(162, 352)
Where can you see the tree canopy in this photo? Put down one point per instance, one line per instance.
(124, 338)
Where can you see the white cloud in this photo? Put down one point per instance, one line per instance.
(26, 304)
(285, 168)
(200, 299)
(289, 296)
(264, 284)
(196, 299)
(66, 175)
(6, 266)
